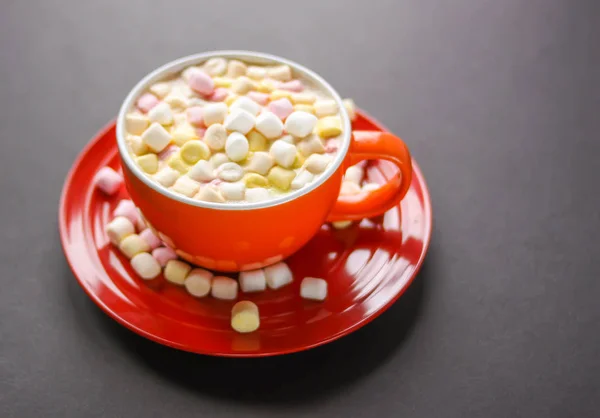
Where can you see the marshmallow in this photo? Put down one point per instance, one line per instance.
(156, 137)
(282, 108)
(223, 82)
(145, 266)
(350, 108)
(193, 151)
(260, 98)
(269, 125)
(177, 99)
(176, 271)
(317, 163)
(127, 209)
(210, 194)
(256, 73)
(304, 108)
(326, 107)
(230, 172)
(349, 188)
(219, 94)
(152, 240)
(313, 288)
(176, 162)
(163, 255)
(256, 141)
(167, 152)
(133, 244)
(215, 66)
(311, 145)
(236, 147)
(183, 133)
(299, 161)
(280, 73)
(136, 123)
(215, 136)
(198, 282)
(281, 178)
(187, 73)
(219, 158)
(119, 228)
(148, 163)
(246, 104)
(161, 113)
(252, 281)
(240, 121)
(136, 145)
(202, 171)
(108, 180)
(283, 153)
(215, 113)
(242, 85)
(288, 138)
(329, 126)
(303, 98)
(369, 187)
(167, 176)
(255, 180)
(195, 115)
(245, 317)
(160, 89)
(224, 288)
(257, 194)
(302, 178)
(230, 99)
(201, 82)
(278, 275)
(341, 224)
(300, 124)
(236, 69)
(146, 102)
(280, 94)
(260, 162)
(266, 86)
(354, 174)
(186, 186)
(232, 191)
(292, 85)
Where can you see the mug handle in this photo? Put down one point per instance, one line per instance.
(371, 145)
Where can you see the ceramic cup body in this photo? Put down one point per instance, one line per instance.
(234, 236)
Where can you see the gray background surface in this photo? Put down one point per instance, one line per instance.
(499, 103)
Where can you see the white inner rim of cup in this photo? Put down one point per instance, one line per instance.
(173, 68)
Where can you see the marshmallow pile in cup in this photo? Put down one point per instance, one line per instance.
(227, 131)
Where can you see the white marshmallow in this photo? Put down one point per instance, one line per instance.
(219, 159)
(354, 174)
(167, 176)
(300, 124)
(108, 180)
(156, 137)
(145, 266)
(177, 99)
(214, 113)
(278, 275)
(160, 89)
(232, 191)
(257, 194)
(161, 113)
(326, 107)
(245, 317)
(215, 66)
(283, 153)
(317, 163)
(119, 228)
(176, 271)
(186, 186)
(252, 281)
(349, 188)
(198, 282)
(230, 172)
(136, 145)
(269, 125)
(210, 194)
(215, 137)
(311, 145)
(287, 138)
(261, 162)
(224, 288)
(313, 288)
(256, 73)
(246, 104)
(302, 179)
(239, 120)
(237, 147)
(133, 244)
(202, 171)
(136, 123)
(280, 73)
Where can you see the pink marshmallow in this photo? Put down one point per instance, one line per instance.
(167, 152)
(281, 107)
(146, 102)
(201, 83)
(152, 240)
(108, 180)
(195, 115)
(163, 255)
(294, 85)
(260, 98)
(127, 209)
(219, 94)
(200, 132)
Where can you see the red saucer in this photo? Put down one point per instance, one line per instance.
(368, 266)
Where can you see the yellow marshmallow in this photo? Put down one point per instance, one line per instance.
(280, 94)
(329, 126)
(304, 108)
(137, 145)
(223, 82)
(182, 134)
(230, 99)
(256, 141)
(243, 85)
(176, 271)
(245, 317)
(265, 86)
(303, 98)
(255, 180)
(132, 245)
(178, 164)
(299, 161)
(148, 163)
(193, 151)
(281, 177)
